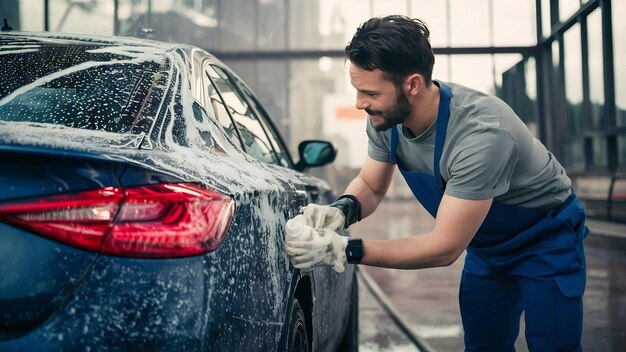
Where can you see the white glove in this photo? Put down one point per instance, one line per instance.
(323, 217)
(308, 247)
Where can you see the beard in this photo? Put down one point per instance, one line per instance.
(398, 113)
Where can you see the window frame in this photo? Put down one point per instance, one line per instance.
(261, 117)
(266, 122)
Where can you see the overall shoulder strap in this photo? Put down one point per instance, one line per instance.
(394, 145)
(445, 95)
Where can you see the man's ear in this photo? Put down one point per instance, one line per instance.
(414, 83)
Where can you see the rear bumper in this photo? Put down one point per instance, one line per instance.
(129, 305)
(152, 305)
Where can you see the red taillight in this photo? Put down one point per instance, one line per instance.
(81, 219)
(169, 220)
(156, 221)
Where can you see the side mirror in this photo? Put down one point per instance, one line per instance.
(315, 153)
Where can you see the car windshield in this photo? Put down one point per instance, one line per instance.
(85, 86)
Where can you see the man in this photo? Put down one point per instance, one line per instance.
(494, 190)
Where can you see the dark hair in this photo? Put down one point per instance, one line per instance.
(397, 45)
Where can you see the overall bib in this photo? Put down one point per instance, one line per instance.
(520, 259)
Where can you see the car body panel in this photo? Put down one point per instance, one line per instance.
(48, 273)
(236, 297)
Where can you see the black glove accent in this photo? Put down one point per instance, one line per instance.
(350, 207)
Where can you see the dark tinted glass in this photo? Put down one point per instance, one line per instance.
(79, 86)
(253, 136)
(280, 152)
(214, 102)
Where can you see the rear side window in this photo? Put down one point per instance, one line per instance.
(281, 153)
(214, 101)
(79, 86)
(256, 143)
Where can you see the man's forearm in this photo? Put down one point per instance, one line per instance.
(368, 198)
(415, 252)
(456, 224)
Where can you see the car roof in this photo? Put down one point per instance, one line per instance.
(16, 38)
(18, 41)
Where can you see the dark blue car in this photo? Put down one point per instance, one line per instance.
(143, 197)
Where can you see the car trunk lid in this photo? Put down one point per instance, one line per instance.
(38, 273)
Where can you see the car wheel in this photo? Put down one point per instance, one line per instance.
(298, 338)
(350, 340)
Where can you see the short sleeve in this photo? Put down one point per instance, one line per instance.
(481, 164)
(377, 146)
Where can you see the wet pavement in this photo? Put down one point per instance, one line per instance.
(377, 331)
(428, 299)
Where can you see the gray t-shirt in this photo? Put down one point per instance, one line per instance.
(488, 152)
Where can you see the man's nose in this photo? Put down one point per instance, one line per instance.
(361, 103)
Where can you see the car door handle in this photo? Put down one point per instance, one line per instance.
(300, 195)
(301, 199)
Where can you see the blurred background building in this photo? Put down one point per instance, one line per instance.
(558, 63)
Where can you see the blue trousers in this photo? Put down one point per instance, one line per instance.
(491, 308)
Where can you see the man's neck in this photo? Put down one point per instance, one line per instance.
(425, 108)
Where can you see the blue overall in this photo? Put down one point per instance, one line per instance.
(520, 259)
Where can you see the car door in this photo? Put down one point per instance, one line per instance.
(259, 138)
(330, 289)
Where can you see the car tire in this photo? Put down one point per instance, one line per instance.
(350, 340)
(298, 340)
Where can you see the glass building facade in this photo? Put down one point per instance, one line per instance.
(554, 61)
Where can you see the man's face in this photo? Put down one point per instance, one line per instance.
(385, 104)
